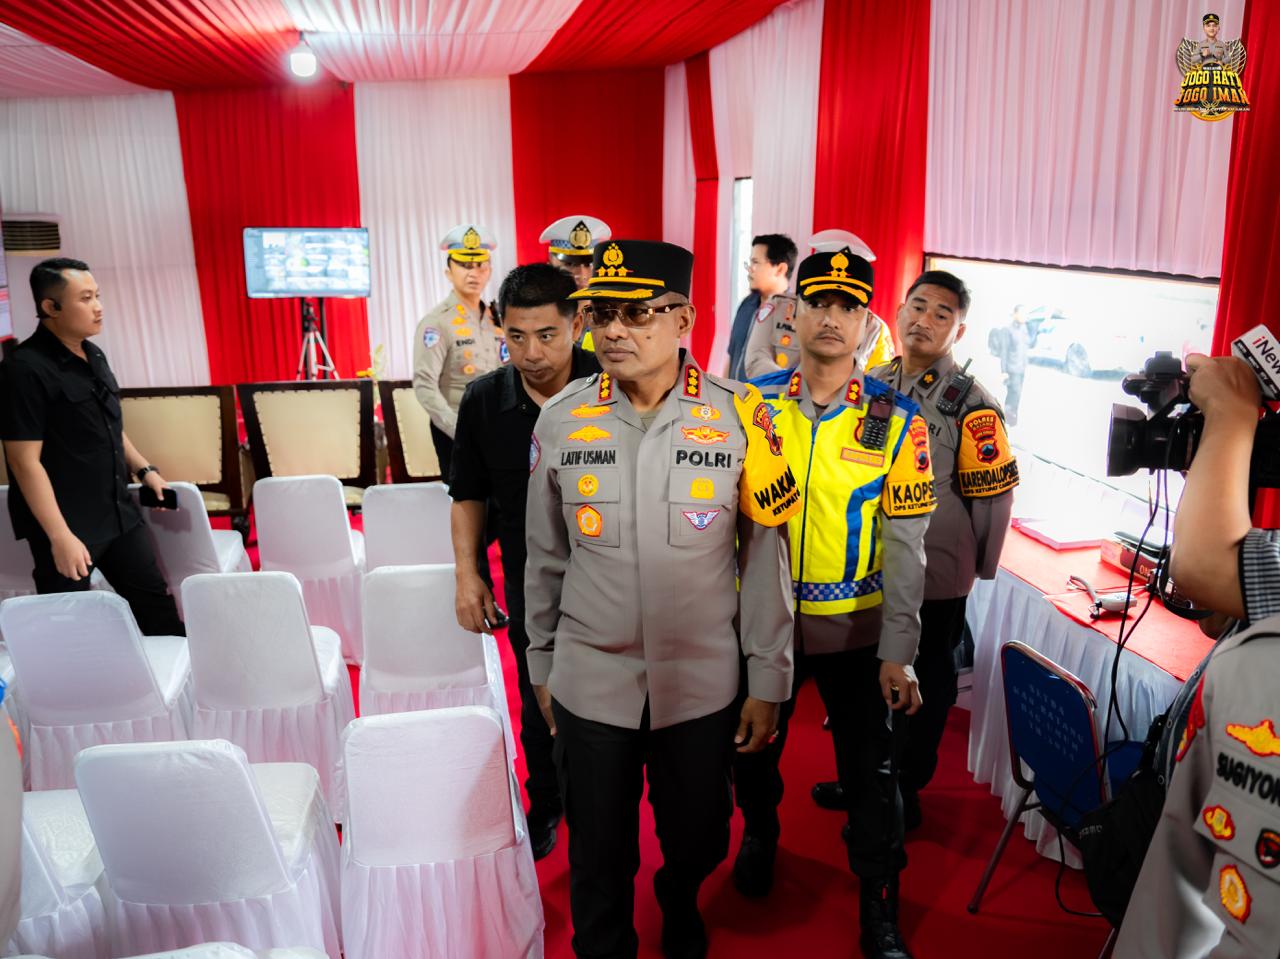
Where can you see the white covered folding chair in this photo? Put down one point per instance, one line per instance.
(407, 524)
(303, 529)
(186, 544)
(62, 912)
(87, 676)
(417, 656)
(199, 846)
(262, 677)
(229, 950)
(436, 860)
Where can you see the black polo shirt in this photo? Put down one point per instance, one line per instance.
(491, 450)
(48, 393)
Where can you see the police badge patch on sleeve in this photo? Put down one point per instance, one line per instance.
(430, 337)
(985, 463)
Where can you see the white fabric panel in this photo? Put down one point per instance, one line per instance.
(436, 856)
(1053, 139)
(432, 156)
(785, 49)
(62, 912)
(303, 529)
(229, 950)
(111, 169)
(407, 524)
(732, 83)
(29, 68)
(372, 40)
(1007, 608)
(679, 182)
(89, 677)
(200, 846)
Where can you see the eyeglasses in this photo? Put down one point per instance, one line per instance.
(632, 315)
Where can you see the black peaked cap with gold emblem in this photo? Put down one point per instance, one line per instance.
(842, 272)
(1209, 18)
(637, 270)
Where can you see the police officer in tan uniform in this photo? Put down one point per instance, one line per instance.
(654, 488)
(571, 240)
(457, 341)
(975, 472)
(772, 344)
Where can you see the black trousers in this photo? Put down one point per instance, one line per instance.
(129, 564)
(941, 629)
(602, 770)
(868, 739)
(542, 783)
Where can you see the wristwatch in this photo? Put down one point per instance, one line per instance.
(144, 471)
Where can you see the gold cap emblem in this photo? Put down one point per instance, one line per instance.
(612, 260)
(839, 263)
(580, 237)
(471, 239)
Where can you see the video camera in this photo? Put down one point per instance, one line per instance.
(1169, 438)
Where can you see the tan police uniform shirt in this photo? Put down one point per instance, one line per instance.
(967, 532)
(1210, 883)
(635, 536)
(772, 344)
(451, 347)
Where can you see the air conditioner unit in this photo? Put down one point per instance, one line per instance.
(28, 239)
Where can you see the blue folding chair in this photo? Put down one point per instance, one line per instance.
(1051, 730)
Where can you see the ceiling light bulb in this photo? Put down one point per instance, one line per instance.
(302, 60)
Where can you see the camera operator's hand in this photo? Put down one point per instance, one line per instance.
(1224, 387)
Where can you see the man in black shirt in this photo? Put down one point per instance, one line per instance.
(491, 460)
(68, 456)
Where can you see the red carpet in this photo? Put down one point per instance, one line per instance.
(812, 911)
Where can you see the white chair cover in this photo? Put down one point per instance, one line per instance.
(88, 676)
(303, 529)
(62, 912)
(407, 524)
(417, 656)
(199, 846)
(263, 678)
(186, 544)
(436, 859)
(229, 950)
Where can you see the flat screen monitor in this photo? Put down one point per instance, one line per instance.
(293, 261)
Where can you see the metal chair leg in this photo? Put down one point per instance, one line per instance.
(1109, 946)
(999, 850)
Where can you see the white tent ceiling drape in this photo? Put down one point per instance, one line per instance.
(679, 181)
(29, 68)
(111, 168)
(1053, 139)
(431, 156)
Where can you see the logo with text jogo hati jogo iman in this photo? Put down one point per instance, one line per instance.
(1211, 69)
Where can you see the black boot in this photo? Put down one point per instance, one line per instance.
(542, 831)
(753, 869)
(878, 916)
(912, 817)
(683, 934)
(830, 795)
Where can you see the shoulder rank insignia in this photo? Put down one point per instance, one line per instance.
(692, 382)
(1260, 739)
(793, 388)
(853, 395)
(928, 379)
(606, 387)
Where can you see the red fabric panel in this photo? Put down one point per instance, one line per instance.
(269, 157)
(1248, 294)
(601, 34)
(168, 44)
(872, 135)
(706, 203)
(555, 172)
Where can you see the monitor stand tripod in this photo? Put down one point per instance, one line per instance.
(314, 362)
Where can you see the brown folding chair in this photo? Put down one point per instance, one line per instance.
(409, 447)
(305, 428)
(189, 433)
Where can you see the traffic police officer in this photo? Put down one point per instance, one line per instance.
(571, 241)
(654, 488)
(858, 570)
(457, 341)
(974, 472)
(772, 344)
